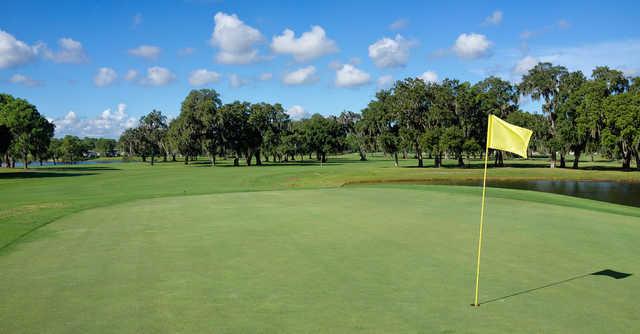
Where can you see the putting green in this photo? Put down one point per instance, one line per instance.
(366, 259)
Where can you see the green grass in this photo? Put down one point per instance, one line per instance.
(284, 248)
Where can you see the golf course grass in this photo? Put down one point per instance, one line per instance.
(126, 248)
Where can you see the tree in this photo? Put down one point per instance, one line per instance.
(200, 115)
(622, 132)
(572, 128)
(105, 146)
(411, 103)
(324, 135)
(236, 129)
(543, 82)
(73, 149)
(30, 132)
(152, 127)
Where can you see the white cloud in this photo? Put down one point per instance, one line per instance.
(311, 44)
(20, 79)
(305, 75)
(265, 76)
(105, 77)
(385, 81)
(148, 52)
(186, 52)
(350, 76)
(429, 76)
(14, 52)
(202, 77)
(235, 39)
(470, 46)
(158, 76)
(399, 24)
(297, 112)
(494, 19)
(71, 51)
(236, 81)
(524, 65)
(131, 75)
(109, 123)
(389, 52)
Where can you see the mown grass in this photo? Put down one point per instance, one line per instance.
(30, 199)
(373, 259)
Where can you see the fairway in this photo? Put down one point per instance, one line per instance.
(352, 259)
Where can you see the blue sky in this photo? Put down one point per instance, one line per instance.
(96, 67)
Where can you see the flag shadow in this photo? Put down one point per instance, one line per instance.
(606, 272)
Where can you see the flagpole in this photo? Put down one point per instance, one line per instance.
(484, 187)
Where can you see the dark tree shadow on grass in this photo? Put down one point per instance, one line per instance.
(606, 272)
(35, 175)
(75, 169)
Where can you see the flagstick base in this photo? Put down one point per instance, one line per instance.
(475, 305)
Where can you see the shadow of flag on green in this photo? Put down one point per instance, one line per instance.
(611, 273)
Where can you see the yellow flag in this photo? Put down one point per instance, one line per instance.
(507, 137)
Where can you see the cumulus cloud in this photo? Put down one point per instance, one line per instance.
(131, 75)
(385, 81)
(389, 52)
(24, 80)
(429, 76)
(235, 40)
(109, 123)
(158, 76)
(265, 76)
(471, 46)
(350, 76)
(236, 81)
(399, 24)
(524, 65)
(70, 51)
(14, 52)
(203, 77)
(297, 112)
(148, 52)
(305, 75)
(494, 19)
(310, 45)
(105, 77)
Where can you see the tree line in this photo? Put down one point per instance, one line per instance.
(425, 120)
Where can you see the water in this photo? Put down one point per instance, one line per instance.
(50, 163)
(625, 193)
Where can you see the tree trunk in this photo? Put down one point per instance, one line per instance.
(324, 157)
(363, 155)
(26, 160)
(460, 160)
(258, 161)
(153, 158)
(553, 160)
(212, 159)
(404, 154)
(186, 159)
(144, 158)
(236, 161)
(249, 158)
(576, 158)
(562, 162)
(395, 158)
(173, 157)
(626, 160)
(638, 160)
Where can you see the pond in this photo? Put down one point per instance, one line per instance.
(625, 193)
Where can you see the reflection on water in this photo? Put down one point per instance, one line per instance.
(626, 193)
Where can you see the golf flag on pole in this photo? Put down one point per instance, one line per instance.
(507, 137)
(500, 136)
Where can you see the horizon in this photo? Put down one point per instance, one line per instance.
(309, 59)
